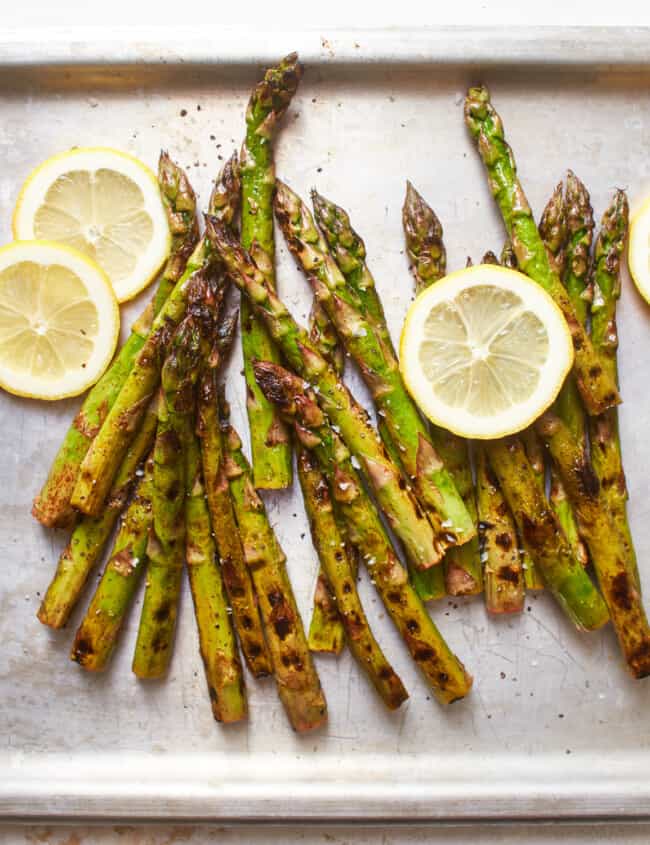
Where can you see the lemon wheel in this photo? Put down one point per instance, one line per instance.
(59, 320)
(485, 351)
(639, 250)
(104, 203)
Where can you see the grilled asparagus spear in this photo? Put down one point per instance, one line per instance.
(97, 635)
(504, 575)
(606, 454)
(426, 250)
(554, 231)
(91, 534)
(295, 674)
(166, 546)
(607, 546)
(444, 673)
(270, 445)
(326, 631)
(597, 386)
(341, 578)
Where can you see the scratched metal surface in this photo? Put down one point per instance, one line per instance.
(553, 727)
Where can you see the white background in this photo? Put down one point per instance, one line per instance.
(290, 14)
(136, 20)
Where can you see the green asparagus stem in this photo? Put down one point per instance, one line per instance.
(606, 454)
(298, 683)
(91, 534)
(597, 387)
(424, 242)
(432, 482)
(425, 246)
(580, 224)
(349, 251)
(235, 574)
(429, 584)
(218, 643)
(342, 579)
(554, 231)
(236, 577)
(52, 506)
(606, 544)
(444, 673)
(97, 635)
(532, 578)
(326, 631)
(542, 537)
(397, 502)
(166, 547)
(108, 447)
(270, 445)
(504, 575)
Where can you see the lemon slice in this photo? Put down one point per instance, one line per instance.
(639, 250)
(59, 320)
(485, 351)
(104, 203)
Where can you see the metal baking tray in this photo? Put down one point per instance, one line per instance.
(553, 728)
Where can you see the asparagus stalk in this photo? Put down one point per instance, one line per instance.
(108, 447)
(580, 225)
(433, 483)
(596, 385)
(341, 577)
(397, 502)
(91, 534)
(425, 247)
(606, 454)
(424, 240)
(270, 445)
(52, 505)
(326, 631)
(217, 640)
(97, 635)
(542, 537)
(534, 450)
(429, 583)
(606, 544)
(295, 674)
(554, 231)
(165, 548)
(349, 252)
(235, 574)
(443, 671)
(504, 575)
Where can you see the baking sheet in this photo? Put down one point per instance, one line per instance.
(554, 727)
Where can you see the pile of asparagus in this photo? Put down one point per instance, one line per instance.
(152, 450)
